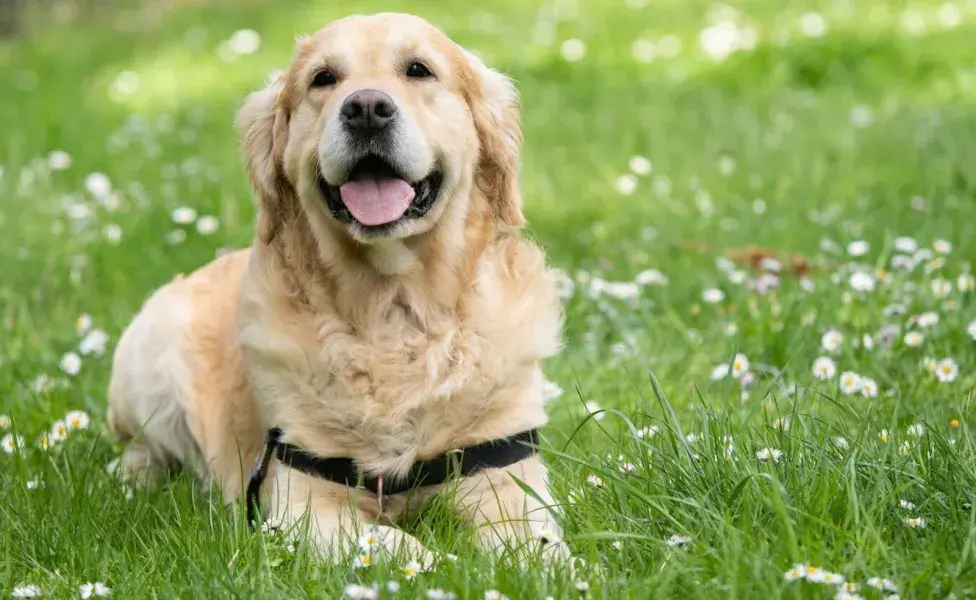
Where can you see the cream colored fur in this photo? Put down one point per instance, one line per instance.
(385, 350)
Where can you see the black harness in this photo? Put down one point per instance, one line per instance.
(493, 454)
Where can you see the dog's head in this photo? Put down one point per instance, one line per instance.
(382, 128)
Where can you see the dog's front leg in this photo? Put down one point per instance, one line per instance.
(508, 518)
(341, 521)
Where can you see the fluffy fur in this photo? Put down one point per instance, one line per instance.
(386, 349)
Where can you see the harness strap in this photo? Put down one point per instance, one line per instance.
(462, 462)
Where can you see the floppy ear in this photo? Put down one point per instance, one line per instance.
(494, 105)
(263, 126)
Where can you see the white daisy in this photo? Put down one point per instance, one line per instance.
(833, 578)
(82, 324)
(966, 282)
(35, 483)
(915, 522)
(59, 431)
(773, 454)
(824, 368)
(942, 246)
(12, 443)
(795, 572)
(813, 25)
(594, 480)
(625, 185)
(678, 540)
(640, 165)
(26, 591)
(971, 329)
(572, 50)
(916, 430)
(112, 234)
(360, 592)
(551, 390)
(647, 432)
(4, 422)
(369, 540)
(867, 342)
(71, 363)
(947, 370)
(94, 590)
(207, 225)
(906, 505)
(713, 296)
(439, 594)
(363, 561)
(593, 408)
(941, 287)
(914, 339)
(495, 595)
(927, 319)
(651, 277)
(98, 184)
(861, 281)
(77, 419)
(58, 160)
(93, 343)
(885, 585)
(184, 215)
(858, 248)
(411, 569)
(850, 382)
(906, 245)
(869, 387)
(832, 340)
(740, 365)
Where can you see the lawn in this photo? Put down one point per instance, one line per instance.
(767, 219)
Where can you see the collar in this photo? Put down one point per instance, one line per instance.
(462, 462)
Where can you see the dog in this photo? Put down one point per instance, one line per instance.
(388, 312)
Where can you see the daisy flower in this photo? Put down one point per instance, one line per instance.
(184, 215)
(551, 390)
(927, 319)
(914, 339)
(83, 323)
(832, 340)
(713, 296)
(858, 248)
(495, 595)
(942, 246)
(71, 363)
(971, 330)
(35, 483)
(363, 561)
(861, 281)
(94, 343)
(593, 408)
(12, 443)
(906, 505)
(869, 387)
(651, 277)
(678, 541)
(59, 431)
(867, 342)
(966, 282)
(77, 419)
(906, 245)
(411, 569)
(44, 441)
(947, 370)
(581, 585)
(207, 225)
(740, 365)
(594, 480)
(94, 590)
(884, 585)
(833, 578)
(4, 422)
(850, 382)
(640, 165)
(625, 185)
(916, 430)
(915, 522)
(773, 454)
(369, 540)
(930, 364)
(841, 442)
(796, 572)
(26, 591)
(883, 435)
(719, 372)
(941, 287)
(647, 432)
(360, 592)
(439, 594)
(782, 423)
(824, 368)
(815, 574)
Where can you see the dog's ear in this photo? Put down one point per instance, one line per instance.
(262, 124)
(495, 107)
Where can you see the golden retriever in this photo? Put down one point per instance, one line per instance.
(388, 310)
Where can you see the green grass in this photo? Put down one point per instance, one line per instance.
(773, 124)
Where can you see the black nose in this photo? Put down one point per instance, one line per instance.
(367, 112)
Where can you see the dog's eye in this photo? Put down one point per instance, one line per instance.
(323, 79)
(418, 71)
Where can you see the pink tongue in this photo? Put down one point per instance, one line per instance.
(377, 201)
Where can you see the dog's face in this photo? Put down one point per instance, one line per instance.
(382, 128)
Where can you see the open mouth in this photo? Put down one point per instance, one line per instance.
(376, 196)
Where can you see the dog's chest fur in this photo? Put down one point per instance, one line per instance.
(408, 386)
